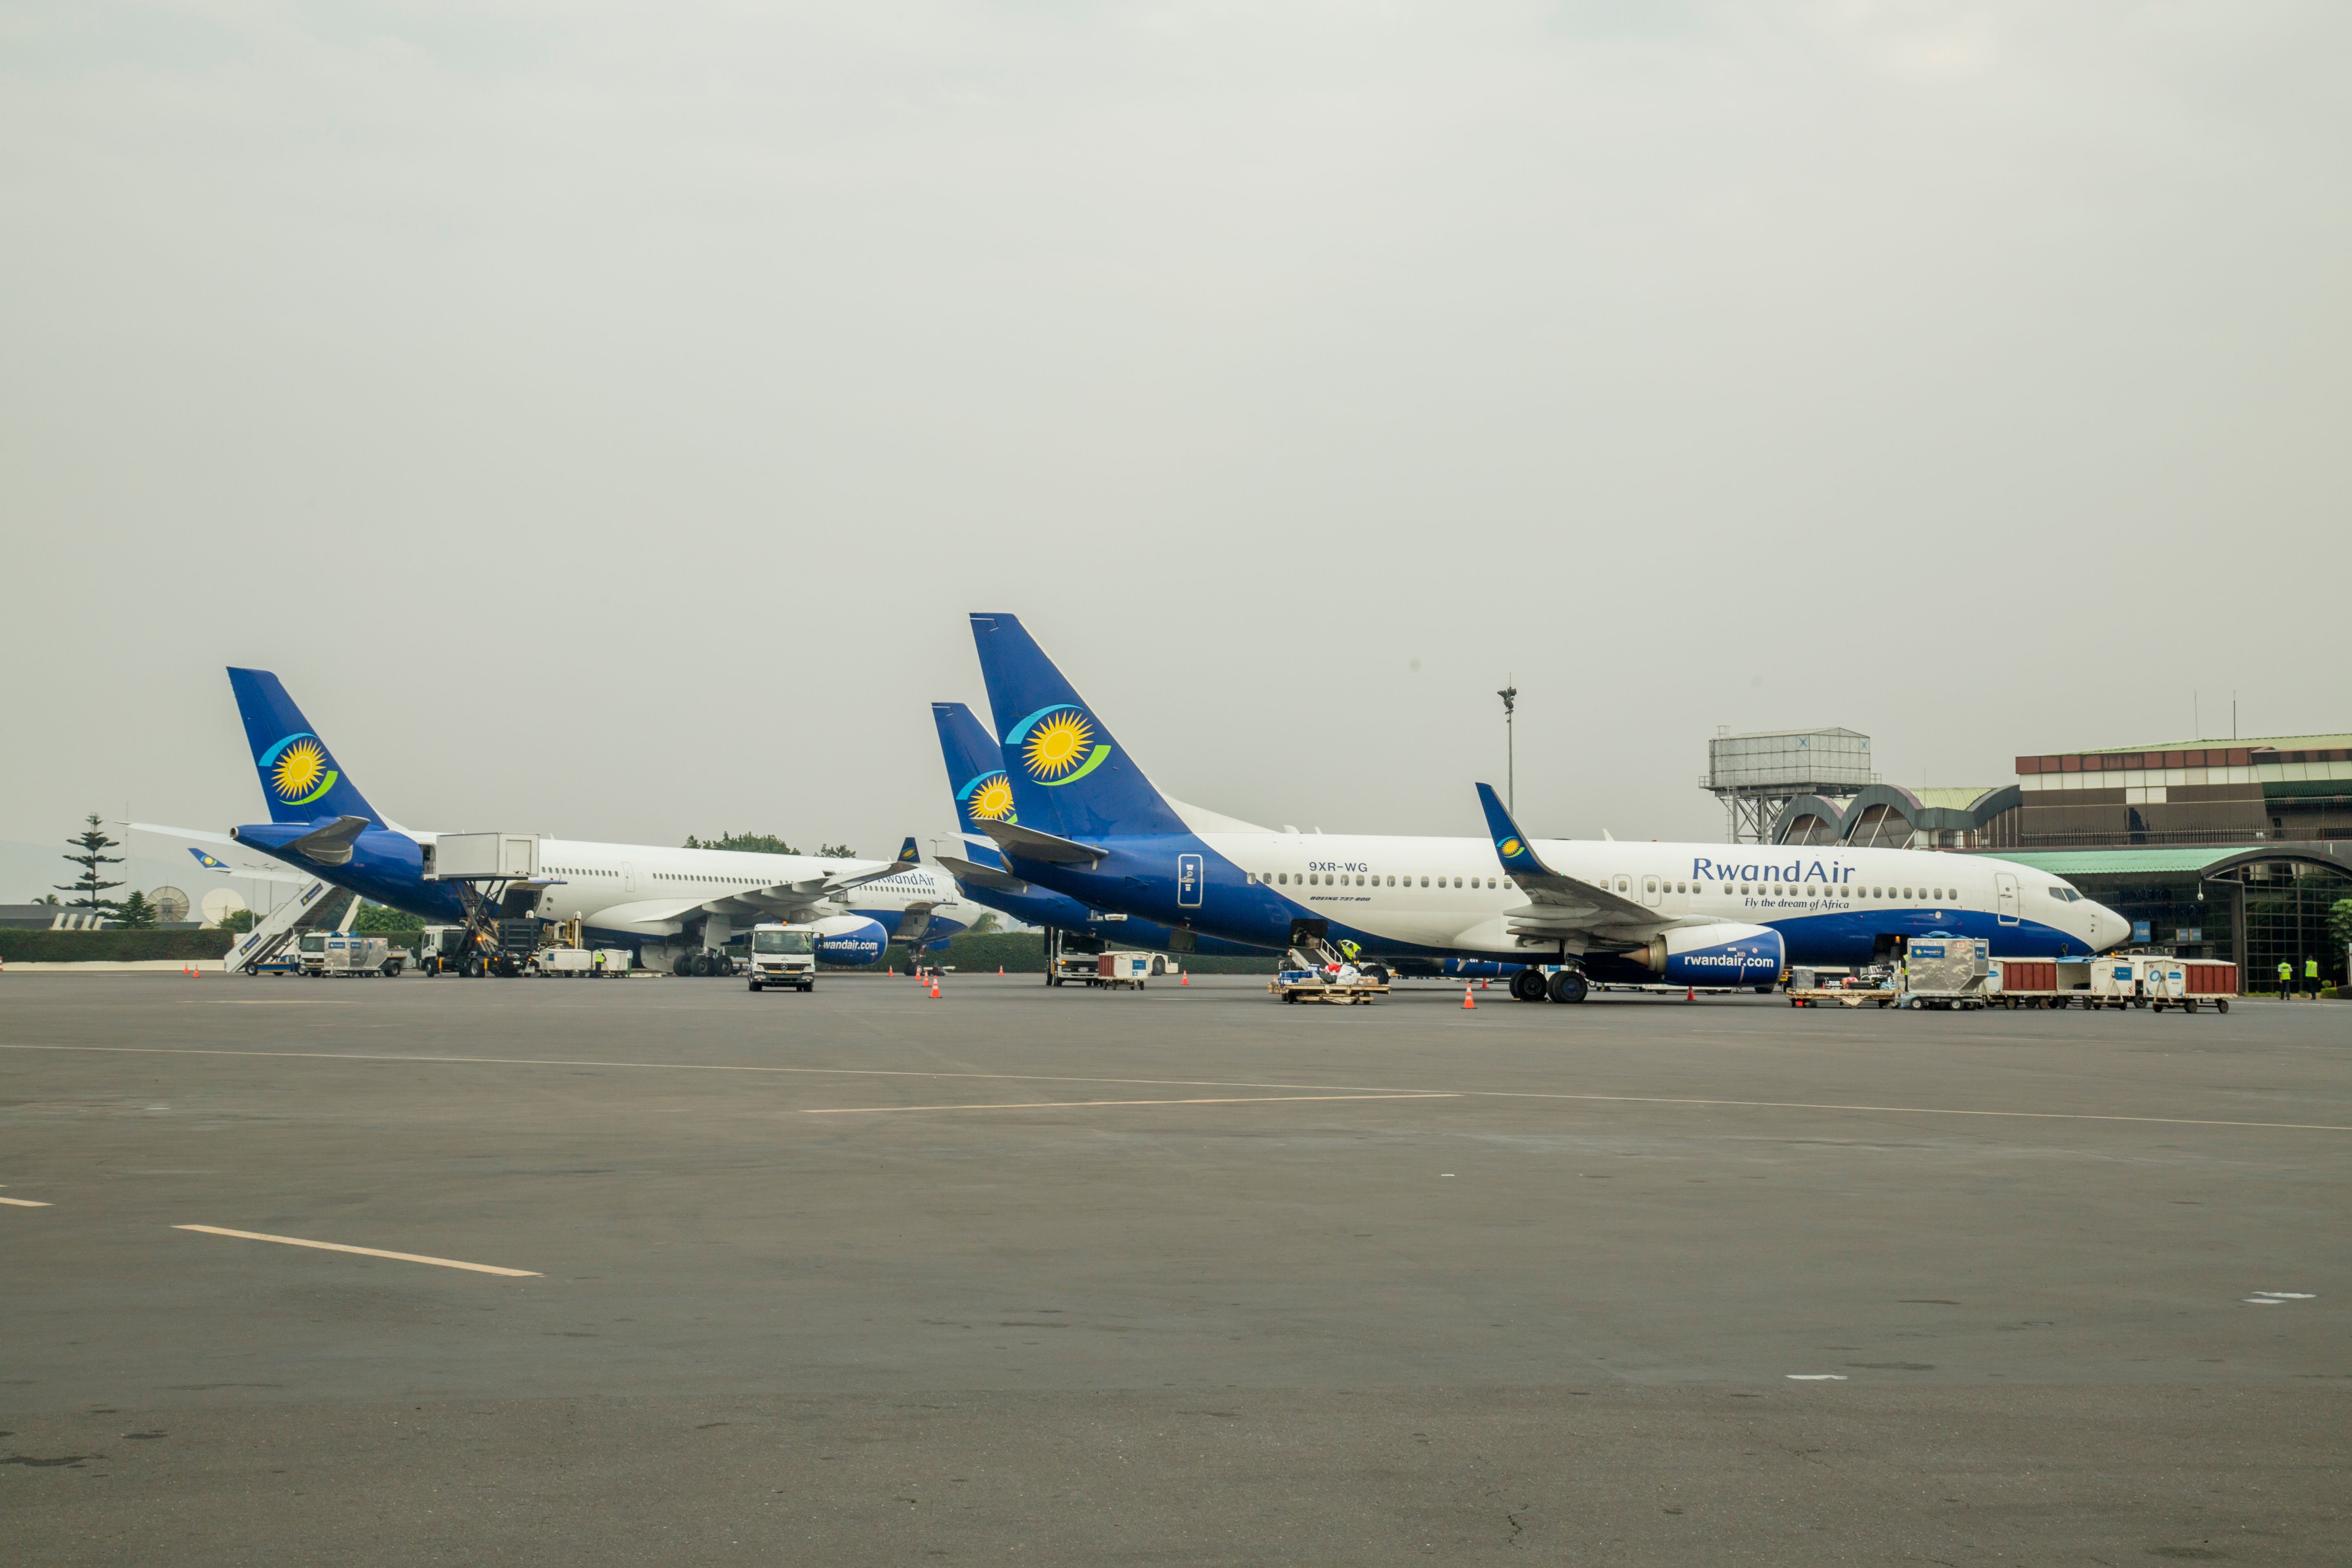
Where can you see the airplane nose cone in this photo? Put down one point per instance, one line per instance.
(2108, 929)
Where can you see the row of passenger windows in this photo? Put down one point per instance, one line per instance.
(1340, 879)
(1624, 885)
(1933, 895)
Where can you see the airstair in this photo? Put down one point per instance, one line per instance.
(321, 906)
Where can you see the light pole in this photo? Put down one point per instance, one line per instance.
(1510, 695)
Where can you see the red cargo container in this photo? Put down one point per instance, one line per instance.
(2209, 976)
(2028, 983)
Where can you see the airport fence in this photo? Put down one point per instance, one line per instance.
(111, 946)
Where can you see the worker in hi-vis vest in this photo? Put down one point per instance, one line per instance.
(2287, 980)
(2311, 977)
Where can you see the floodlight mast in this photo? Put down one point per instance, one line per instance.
(1510, 695)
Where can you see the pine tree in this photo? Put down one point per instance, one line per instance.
(93, 843)
(136, 913)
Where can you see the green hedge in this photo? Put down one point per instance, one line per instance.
(111, 946)
(1025, 953)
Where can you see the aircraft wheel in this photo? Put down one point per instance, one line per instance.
(1529, 985)
(1376, 972)
(1568, 986)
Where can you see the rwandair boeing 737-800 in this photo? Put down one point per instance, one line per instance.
(1090, 825)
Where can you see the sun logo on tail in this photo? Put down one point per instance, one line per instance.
(1057, 745)
(1510, 846)
(298, 770)
(988, 798)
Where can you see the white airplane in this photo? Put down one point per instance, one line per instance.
(1085, 821)
(677, 907)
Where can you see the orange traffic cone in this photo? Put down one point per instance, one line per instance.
(1000, 972)
(1466, 1001)
(1691, 994)
(935, 989)
(1185, 980)
(1484, 984)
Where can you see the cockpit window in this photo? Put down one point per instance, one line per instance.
(2066, 895)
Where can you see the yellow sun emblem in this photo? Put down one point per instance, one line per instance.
(300, 768)
(993, 801)
(1058, 745)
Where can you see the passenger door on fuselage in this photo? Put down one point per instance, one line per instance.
(2004, 885)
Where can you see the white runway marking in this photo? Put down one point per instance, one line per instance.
(1201, 1083)
(1816, 1377)
(1059, 1104)
(362, 1251)
(25, 1203)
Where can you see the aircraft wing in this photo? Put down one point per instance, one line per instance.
(1557, 905)
(218, 852)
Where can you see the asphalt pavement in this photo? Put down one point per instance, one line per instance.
(421, 1270)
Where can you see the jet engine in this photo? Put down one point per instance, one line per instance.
(849, 940)
(1723, 954)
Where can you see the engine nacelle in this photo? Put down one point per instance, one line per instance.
(1724, 954)
(851, 939)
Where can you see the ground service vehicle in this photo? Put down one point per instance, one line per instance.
(781, 956)
(440, 948)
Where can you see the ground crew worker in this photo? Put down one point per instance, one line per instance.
(2287, 980)
(2311, 977)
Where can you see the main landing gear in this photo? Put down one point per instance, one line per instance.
(1561, 986)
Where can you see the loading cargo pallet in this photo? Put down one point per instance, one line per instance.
(1343, 985)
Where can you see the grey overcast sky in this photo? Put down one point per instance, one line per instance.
(602, 416)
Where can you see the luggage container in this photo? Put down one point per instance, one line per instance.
(348, 953)
(2213, 979)
(1946, 972)
(1114, 970)
(2027, 982)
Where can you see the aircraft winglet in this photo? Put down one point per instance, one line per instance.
(1517, 850)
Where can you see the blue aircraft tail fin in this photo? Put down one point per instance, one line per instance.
(975, 778)
(299, 777)
(1068, 773)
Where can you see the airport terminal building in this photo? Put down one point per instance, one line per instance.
(2234, 849)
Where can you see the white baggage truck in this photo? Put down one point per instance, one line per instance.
(780, 956)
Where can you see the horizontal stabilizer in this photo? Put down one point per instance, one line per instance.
(331, 845)
(1028, 844)
(982, 876)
